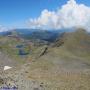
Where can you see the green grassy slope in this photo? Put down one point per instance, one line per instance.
(8, 47)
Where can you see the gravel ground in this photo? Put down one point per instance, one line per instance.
(47, 73)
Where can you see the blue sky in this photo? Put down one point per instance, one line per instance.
(17, 12)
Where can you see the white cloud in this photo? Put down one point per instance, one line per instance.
(2, 28)
(68, 16)
(46, 20)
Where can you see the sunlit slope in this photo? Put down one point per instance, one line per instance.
(77, 42)
(65, 65)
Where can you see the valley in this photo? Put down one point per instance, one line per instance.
(40, 64)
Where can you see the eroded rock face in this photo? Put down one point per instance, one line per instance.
(7, 83)
(44, 51)
(1, 81)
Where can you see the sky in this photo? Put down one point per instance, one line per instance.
(16, 12)
(44, 14)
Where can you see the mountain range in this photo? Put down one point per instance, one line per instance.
(46, 60)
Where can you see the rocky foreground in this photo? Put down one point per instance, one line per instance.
(49, 72)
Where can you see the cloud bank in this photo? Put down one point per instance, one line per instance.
(3, 29)
(69, 15)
